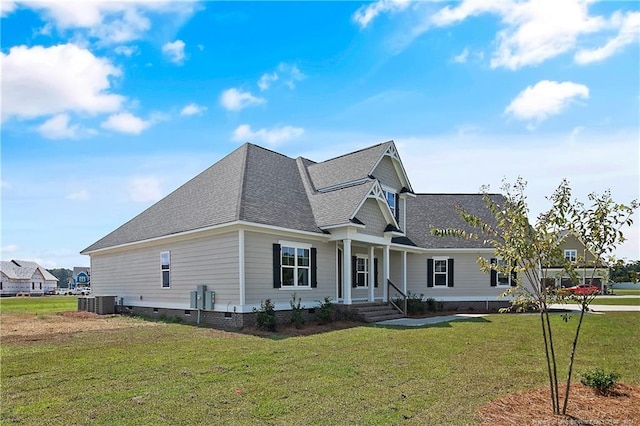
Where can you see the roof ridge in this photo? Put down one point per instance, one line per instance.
(355, 152)
(243, 181)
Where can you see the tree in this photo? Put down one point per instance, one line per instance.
(63, 275)
(526, 252)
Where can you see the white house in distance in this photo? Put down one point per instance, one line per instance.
(260, 225)
(21, 276)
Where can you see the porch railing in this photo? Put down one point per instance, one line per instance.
(402, 299)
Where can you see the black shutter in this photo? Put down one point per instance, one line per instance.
(314, 268)
(375, 272)
(277, 282)
(429, 272)
(449, 272)
(514, 276)
(494, 274)
(354, 271)
(397, 208)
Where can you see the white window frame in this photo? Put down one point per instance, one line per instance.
(163, 269)
(500, 275)
(391, 192)
(296, 267)
(445, 273)
(365, 272)
(571, 255)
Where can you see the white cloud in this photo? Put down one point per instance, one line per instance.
(7, 7)
(126, 122)
(144, 189)
(533, 32)
(112, 21)
(290, 74)
(266, 80)
(127, 50)
(629, 26)
(544, 99)
(193, 109)
(39, 81)
(174, 51)
(271, 137)
(462, 57)
(365, 14)
(10, 248)
(58, 127)
(81, 195)
(235, 100)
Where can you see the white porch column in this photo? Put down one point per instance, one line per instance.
(385, 273)
(346, 276)
(372, 276)
(404, 272)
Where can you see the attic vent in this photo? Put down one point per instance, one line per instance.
(16, 263)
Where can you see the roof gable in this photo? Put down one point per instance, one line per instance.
(24, 270)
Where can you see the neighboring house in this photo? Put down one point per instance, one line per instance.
(260, 225)
(81, 276)
(21, 276)
(576, 252)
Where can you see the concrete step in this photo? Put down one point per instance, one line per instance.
(374, 312)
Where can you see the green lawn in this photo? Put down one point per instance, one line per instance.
(38, 305)
(179, 374)
(626, 291)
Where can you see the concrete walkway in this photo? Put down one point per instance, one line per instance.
(418, 322)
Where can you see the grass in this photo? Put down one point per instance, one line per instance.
(181, 374)
(38, 305)
(627, 291)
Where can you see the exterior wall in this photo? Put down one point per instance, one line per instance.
(135, 276)
(259, 272)
(12, 287)
(371, 215)
(470, 283)
(572, 243)
(362, 293)
(386, 173)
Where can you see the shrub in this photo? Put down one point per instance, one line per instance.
(324, 311)
(414, 303)
(431, 304)
(266, 316)
(297, 319)
(600, 380)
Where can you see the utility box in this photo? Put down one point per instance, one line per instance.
(105, 305)
(209, 300)
(193, 297)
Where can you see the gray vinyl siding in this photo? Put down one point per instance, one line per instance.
(470, 283)
(386, 173)
(258, 251)
(371, 215)
(135, 274)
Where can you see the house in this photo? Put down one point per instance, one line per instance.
(21, 276)
(584, 264)
(81, 276)
(260, 225)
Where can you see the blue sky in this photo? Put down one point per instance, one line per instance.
(109, 106)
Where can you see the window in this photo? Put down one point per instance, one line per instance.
(165, 266)
(296, 265)
(571, 255)
(440, 272)
(391, 200)
(502, 278)
(362, 272)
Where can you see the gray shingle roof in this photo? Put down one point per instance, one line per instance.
(24, 270)
(427, 211)
(348, 167)
(251, 183)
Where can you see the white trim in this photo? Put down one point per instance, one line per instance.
(365, 272)
(309, 268)
(214, 229)
(162, 270)
(241, 265)
(343, 185)
(446, 271)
